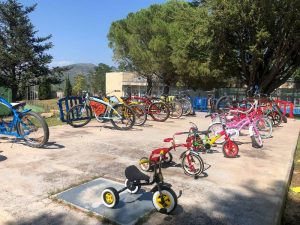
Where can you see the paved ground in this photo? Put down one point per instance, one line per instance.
(245, 190)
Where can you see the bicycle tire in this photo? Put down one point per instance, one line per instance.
(169, 196)
(224, 103)
(126, 113)
(215, 128)
(256, 139)
(77, 111)
(162, 109)
(140, 114)
(230, 152)
(261, 127)
(187, 170)
(176, 109)
(34, 142)
(187, 106)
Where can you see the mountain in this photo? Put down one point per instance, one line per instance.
(79, 68)
(75, 69)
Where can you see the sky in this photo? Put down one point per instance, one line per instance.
(79, 28)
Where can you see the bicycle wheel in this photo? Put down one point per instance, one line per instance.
(79, 115)
(140, 114)
(255, 138)
(230, 149)
(176, 109)
(110, 197)
(275, 117)
(159, 111)
(264, 125)
(167, 158)
(122, 117)
(224, 103)
(187, 106)
(192, 164)
(169, 197)
(215, 129)
(34, 129)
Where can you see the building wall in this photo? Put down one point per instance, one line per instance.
(124, 82)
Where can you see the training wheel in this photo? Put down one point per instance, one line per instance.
(110, 197)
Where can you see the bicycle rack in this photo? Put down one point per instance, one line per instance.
(65, 104)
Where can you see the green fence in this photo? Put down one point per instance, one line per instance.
(5, 93)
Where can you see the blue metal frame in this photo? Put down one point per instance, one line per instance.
(6, 128)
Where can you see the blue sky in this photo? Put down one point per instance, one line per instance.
(80, 27)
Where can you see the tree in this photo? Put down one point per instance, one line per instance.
(23, 57)
(80, 84)
(68, 87)
(257, 42)
(97, 78)
(44, 90)
(141, 42)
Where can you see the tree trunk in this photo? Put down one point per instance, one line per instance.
(149, 85)
(166, 89)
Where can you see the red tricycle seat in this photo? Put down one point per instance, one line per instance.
(168, 139)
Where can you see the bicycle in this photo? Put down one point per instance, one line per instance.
(138, 109)
(26, 125)
(186, 102)
(203, 140)
(191, 163)
(121, 116)
(253, 121)
(174, 105)
(164, 198)
(158, 110)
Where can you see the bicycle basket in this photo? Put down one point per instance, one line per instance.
(97, 107)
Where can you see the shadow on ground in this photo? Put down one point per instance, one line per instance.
(48, 219)
(232, 208)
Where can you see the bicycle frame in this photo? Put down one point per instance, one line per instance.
(108, 109)
(12, 124)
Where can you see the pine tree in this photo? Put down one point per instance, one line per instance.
(23, 61)
(68, 88)
(44, 90)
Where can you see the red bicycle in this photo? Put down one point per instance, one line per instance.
(191, 163)
(158, 110)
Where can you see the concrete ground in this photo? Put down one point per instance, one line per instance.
(244, 190)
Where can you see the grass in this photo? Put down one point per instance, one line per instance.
(292, 211)
(54, 121)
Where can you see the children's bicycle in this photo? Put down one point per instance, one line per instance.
(164, 198)
(204, 140)
(25, 124)
(191, 163)
(121, 116)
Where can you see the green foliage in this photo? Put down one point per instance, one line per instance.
(23, 61)
(211, 43)
(97, 78)
(44, 90)
(257, 42)
(68, 87)
(80, 84)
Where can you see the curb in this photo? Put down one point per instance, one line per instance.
(285, 189)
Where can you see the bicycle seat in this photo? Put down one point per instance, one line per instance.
(16, 105)
(204, 132)
(124, 98)
(132, 173)
(168, 139)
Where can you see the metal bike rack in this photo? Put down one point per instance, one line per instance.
(65, 104)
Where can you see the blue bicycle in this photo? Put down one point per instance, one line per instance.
(24, 124)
